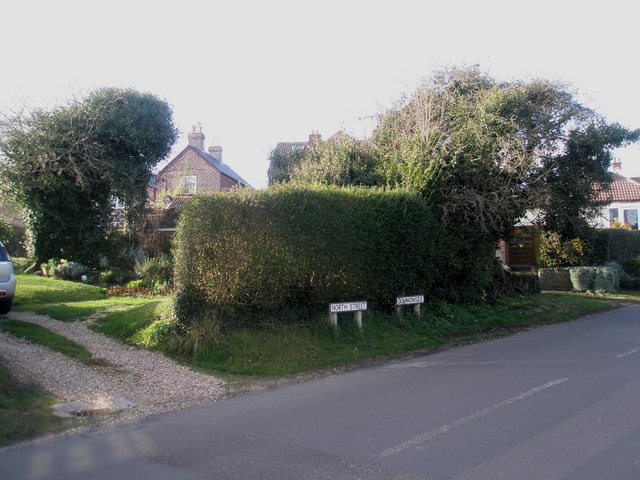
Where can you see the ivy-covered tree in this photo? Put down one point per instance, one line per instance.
(484, 152)
(281, 163)
(66, 165)
(341, 160)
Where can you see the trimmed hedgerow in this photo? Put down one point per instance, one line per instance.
(296, 248)
(621, 244)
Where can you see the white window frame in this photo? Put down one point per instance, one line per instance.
(633, 215)
(188, 184)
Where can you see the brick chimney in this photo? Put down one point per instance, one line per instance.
(315, 136)
(196, 137)
(216, 152)
(617, 165)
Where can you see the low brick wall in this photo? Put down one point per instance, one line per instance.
(555, 279)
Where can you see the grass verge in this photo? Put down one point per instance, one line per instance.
(286, 349)
(291, 349)
(25, 411)
(43, 336)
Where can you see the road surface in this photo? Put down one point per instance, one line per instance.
(559, 402)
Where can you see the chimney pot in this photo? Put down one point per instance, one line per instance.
(196, 137)
(315, 136)
(617, 165)
(216, 152)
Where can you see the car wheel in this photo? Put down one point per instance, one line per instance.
(5, 307)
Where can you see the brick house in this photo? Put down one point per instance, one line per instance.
(191, 171)
(195, 170)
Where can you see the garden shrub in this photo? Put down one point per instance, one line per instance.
(66, 270)
(555, 252)
(135, 284)
(257, 253)
(617, 273)
(598, 279)
(604, 279)
(155, 272)
(582, 278)
(115, 276)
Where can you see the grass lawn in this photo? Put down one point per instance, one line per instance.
(63, 300)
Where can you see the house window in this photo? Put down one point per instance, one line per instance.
(631, 218)
(187, 184)
(613, 216)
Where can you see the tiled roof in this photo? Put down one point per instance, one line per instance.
(169, 214)
(291, 147)
(622, 189)
(226, 169)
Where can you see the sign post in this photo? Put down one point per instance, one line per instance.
(415, 300)
(356, 307)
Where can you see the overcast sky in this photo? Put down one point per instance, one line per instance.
(254, 73)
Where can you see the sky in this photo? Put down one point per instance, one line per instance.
(254, 73)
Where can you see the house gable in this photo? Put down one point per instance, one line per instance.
(190, 172)
(193, 170)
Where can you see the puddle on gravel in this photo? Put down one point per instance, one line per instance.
(82, 408)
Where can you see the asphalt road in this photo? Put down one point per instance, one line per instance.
(560, 402)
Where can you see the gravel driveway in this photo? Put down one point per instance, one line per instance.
(150, 382)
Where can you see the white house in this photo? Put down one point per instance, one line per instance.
(623, 203)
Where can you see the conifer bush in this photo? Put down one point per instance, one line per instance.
(254, 254)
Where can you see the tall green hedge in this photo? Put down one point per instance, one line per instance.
(296, 247)
(621, 244)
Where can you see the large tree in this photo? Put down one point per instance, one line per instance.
(66, 165)
(485, 152)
